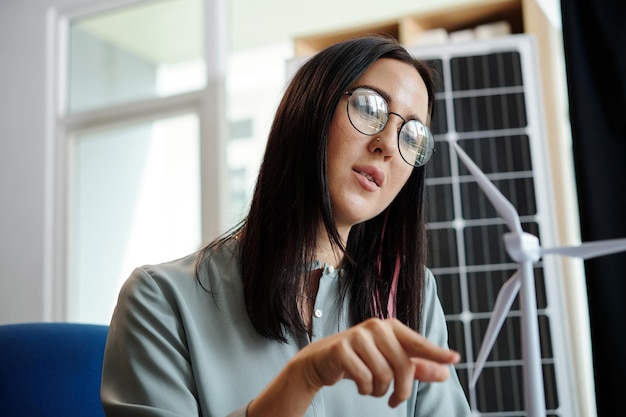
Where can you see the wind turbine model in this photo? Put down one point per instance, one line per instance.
(524, 249)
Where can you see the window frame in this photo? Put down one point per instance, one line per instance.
(62, 127)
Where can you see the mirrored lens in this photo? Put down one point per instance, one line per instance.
(416, 143)
(367, 111)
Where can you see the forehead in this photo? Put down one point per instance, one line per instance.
(401, 85)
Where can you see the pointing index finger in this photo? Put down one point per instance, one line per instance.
(418, 346)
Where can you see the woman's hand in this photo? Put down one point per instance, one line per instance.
(373, 354)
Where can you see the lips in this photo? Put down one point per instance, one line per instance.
(371, 173)
(368, 176)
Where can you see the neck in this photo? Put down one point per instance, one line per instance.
(326, 251)
(330, 254)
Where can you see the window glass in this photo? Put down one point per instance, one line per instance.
(150, 49)
(136, 200)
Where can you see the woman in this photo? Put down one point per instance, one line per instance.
(319, 302)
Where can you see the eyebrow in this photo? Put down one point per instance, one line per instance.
(388, 99)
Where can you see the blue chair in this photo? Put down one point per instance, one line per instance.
(51, 369)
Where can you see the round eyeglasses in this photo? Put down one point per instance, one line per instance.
(369, 112)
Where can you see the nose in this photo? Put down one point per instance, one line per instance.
(386, 140)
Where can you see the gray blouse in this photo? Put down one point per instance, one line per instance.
(175, 349)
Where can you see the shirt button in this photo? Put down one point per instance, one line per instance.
(331, 269)
(318, 313)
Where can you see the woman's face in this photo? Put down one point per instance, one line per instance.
(366, 174)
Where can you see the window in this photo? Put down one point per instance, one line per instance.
(136, 200)
(137, 115)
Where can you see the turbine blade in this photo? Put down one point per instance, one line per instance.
(589, 249)
(499, 201)
(503, 304)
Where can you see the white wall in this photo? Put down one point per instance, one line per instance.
(22, 159)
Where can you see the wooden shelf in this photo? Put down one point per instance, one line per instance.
(407, 28)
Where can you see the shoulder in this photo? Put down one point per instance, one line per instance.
(431, 301)
(181, 280)
(196, 265)
(433, 323)
(157, 284)
(430, 286)
(219, 262)
(429, 277)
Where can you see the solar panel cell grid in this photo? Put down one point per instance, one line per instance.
(482, 105)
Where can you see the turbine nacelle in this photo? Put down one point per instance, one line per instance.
(522, 247)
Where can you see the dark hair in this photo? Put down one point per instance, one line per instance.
(279, 235)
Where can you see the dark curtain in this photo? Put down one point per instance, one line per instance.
(594, 36)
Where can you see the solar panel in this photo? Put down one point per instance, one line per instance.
(489, 102)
